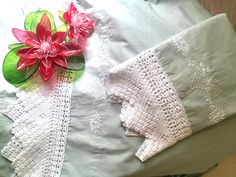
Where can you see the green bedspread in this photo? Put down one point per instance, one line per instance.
(97, 145)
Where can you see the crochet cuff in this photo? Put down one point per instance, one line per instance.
(150, 104)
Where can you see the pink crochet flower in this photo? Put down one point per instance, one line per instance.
(80, 24)
(43, 48)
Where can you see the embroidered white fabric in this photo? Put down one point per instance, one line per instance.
(150, 104)
(97, 65)
(41, 118)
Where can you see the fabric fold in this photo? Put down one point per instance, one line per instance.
(179, 87)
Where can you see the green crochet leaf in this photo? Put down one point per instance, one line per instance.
(78, 74)
(76, 62)
(10, 72)
(12, 46)
(32, 20)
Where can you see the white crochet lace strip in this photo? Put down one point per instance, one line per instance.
(41, 118)
(150, 104)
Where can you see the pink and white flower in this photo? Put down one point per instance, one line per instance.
(43, 48)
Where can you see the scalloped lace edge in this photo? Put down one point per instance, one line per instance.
(40, 125)
(151, 106)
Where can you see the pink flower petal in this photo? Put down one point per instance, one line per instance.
(72, 9)
(60, 61)
(71, 32)
(46, 73)
(22, 52)
(27, 53)
(39, 54)
(21, 35)
(47, 62)
(45, 22)
(58, 37)
(67, 17)
(90, 25)
(74, 33)
(43, 34)
(32, 35)
(71, 53)
(70, 13)
(32, 43)
(25, 62)
(73, 48)
(73, 45)
(59, 49)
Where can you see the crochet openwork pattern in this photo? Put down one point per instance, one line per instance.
(41, 119)
(150, 104)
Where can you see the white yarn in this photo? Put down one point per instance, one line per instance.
(41, 119)
(150, 104)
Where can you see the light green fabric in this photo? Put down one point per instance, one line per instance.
(201, 64)
(192, 155)
(200, 67)
(107, 152)
(5, 165)
(6, 98)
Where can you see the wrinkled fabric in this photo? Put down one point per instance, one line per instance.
(100, 133)
(179, 87)
(96, 143)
